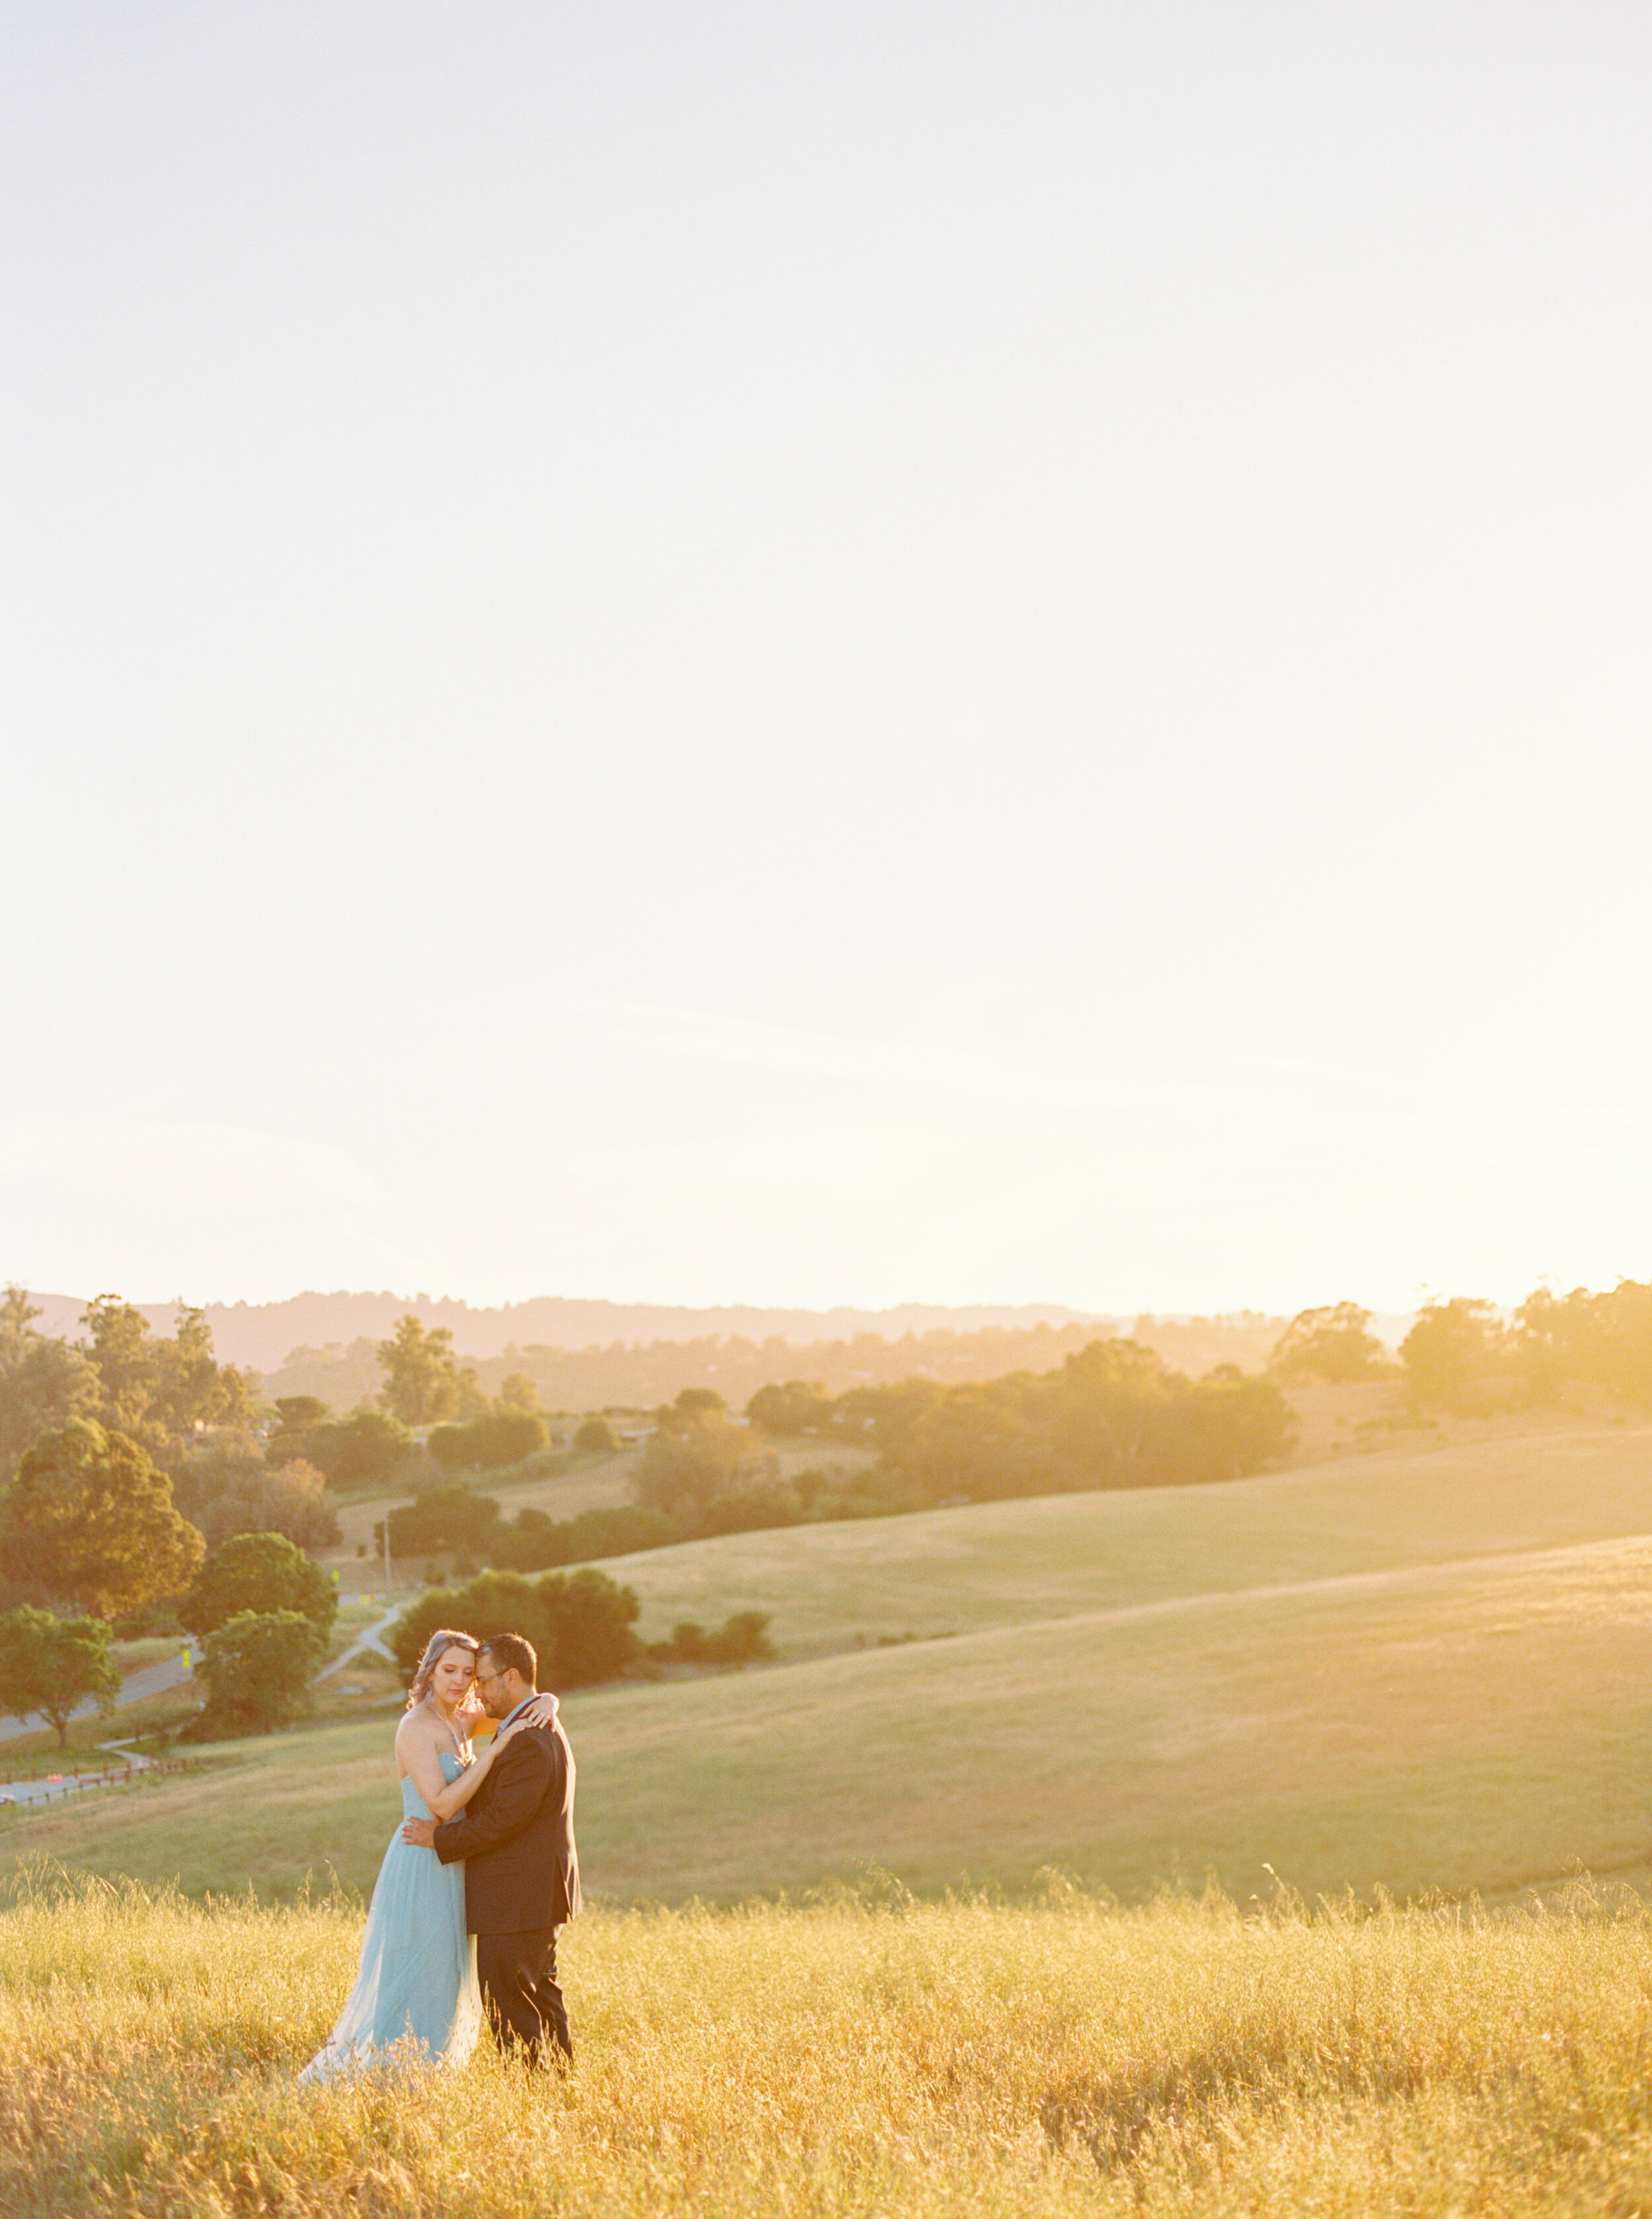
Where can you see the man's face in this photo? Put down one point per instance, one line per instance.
(496, 1688)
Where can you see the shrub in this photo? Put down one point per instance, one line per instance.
(596, 1436)
(536, 1541)
(580, 1623)
(450, 1517)
(743, 1638)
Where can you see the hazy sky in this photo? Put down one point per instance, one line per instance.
(827, 653)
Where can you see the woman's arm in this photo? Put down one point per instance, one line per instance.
(453, 1795)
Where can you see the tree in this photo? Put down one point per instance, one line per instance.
(580, 1623)
(597, 1437)
(151, 1388)
(1333, 1344)
(487, 1444)
(43, 1383)
(422, 1378)
(227, 1486)
(701, 1455)
(118, 1343)
(364, 1449)
(692, 1408)
(802, 1406)
(189, 1389)
(450, 1517)
(1603, 1340)
(258, 1667)
(89, 1519)
(518, 1392)
(52, 1664)
(263, 1573)
(1452, 1353)
(294, 1412)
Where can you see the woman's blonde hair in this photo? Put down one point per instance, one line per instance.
(435, 1649)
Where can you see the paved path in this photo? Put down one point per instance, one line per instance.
(368, 1643)
(172, 1671)
(151, 1680)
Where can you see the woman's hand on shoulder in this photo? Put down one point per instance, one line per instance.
(541, 1712)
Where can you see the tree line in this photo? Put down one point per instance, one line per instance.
(1114, 1415)
(639, 1375)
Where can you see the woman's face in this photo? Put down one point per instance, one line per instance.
(456, 1669)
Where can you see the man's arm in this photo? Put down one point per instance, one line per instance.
(520, 1778)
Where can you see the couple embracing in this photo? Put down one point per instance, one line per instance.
(481, 1875)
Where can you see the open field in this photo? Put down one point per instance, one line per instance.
(956, 2061)
(1419, 1669)
(1454, 1726)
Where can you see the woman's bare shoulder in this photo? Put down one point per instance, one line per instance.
(416, 1726)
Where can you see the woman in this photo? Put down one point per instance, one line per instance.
(418, 1976)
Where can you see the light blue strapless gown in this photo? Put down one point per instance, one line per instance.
(418, 1978)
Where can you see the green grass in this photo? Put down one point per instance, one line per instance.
(1414, 1671)
(838, 2061)
(1450, 1727)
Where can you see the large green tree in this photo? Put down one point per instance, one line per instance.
(258, 1667)
(261, 1573)
(89, 1520)
(50, 1665)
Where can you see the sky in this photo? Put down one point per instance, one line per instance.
(826, 654)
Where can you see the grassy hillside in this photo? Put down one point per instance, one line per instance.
(942, 2062)
(1418, 1669)
(1452, 1727)
(1002, 1563)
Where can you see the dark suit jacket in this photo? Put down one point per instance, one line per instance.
(515, 1835)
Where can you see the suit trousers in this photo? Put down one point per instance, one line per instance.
(519, 1985)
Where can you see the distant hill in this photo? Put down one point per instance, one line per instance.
(263, 1334)
(584, 1354)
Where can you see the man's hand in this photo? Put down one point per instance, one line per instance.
(421, 1832)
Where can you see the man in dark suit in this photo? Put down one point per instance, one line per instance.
(521, 1870)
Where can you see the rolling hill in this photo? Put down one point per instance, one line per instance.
(1417, 1671)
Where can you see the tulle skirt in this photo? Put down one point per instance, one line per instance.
(416, 1985)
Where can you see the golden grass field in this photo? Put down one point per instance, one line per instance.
(1413, 1671)
(843, 2060)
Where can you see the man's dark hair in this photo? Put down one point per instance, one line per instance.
(511, 1653)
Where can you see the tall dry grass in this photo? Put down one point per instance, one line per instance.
(848, 2059)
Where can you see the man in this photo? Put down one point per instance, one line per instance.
(521, 1870)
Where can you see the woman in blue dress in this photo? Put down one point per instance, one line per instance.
(417, 1984)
